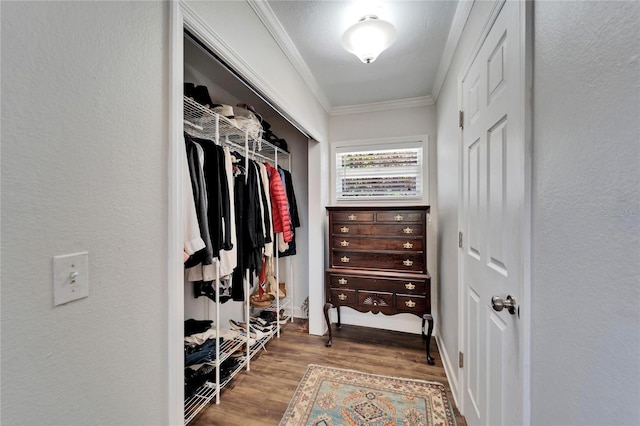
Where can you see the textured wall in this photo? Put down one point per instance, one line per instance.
(586, 214)
(84, 144)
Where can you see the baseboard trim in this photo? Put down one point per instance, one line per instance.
(449, 370)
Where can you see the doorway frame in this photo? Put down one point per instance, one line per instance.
(182, 17)
(525, 50)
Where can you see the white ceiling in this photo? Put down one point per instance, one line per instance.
(310, 34)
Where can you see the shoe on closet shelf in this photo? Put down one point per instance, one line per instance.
(242, 327)
(269, 316)
(282, 318)
(240, 335)
(261, 325)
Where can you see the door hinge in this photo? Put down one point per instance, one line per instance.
(460, 359)
(461, 119)
(460, 239)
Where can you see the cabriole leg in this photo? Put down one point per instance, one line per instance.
(328, 306)
(429, 318)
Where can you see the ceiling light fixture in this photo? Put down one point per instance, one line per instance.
(368, 38)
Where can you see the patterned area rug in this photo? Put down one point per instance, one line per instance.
(329, 396)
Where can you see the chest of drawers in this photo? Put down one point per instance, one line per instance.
(378, 262)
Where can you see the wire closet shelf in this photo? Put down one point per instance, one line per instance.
(202, 122)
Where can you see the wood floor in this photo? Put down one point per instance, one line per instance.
(261, 396)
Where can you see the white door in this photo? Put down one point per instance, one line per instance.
(493, 192)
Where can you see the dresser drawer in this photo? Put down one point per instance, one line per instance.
(406, 262)
(411, 304)
(377, 299)
(406, 230)
(353, 216)
(400, 216)
(395, 244)
(343, 296)
(390, 285)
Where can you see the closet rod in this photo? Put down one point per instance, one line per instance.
(250, 153)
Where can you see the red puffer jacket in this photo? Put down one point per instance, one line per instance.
(279, 204)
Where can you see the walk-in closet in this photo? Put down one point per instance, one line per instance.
(246, 188)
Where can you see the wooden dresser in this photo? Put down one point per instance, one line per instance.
(378, 263)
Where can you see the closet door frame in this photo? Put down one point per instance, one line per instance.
(182, 18)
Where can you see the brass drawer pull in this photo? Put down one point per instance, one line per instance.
(410, 286)
(345, 259)
(399, 218)
(342, 281)
(407, 262)
(344, 243)
(343, 296)
(410, 303)
(352, 217)
(344, 229)
(408, 245)
(407, 230)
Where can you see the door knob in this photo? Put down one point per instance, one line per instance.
(498, 304)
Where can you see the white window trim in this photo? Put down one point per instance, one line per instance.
(382, 143)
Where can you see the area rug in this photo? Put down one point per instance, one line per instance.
(328, 396)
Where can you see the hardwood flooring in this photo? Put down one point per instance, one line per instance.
(261, 396)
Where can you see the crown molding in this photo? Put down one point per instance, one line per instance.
(383, 106)
(277, 31)
(455, 32)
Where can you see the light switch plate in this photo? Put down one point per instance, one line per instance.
(70, 277)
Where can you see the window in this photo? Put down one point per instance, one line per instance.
(378, 173)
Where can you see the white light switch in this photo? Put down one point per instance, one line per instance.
(70, 277)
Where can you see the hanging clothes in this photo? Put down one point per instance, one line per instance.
(293, 212)
(268, 246)
(229, 258)
(192, 238)
(281, 219)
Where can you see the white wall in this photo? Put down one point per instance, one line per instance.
(586, 214)
(84, 157)
(448, 187)
(415, 121)
(318, 198)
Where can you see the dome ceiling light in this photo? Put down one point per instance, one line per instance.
(368, 38)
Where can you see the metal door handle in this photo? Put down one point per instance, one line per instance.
(498, 304)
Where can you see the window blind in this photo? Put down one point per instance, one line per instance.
(388, 173)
